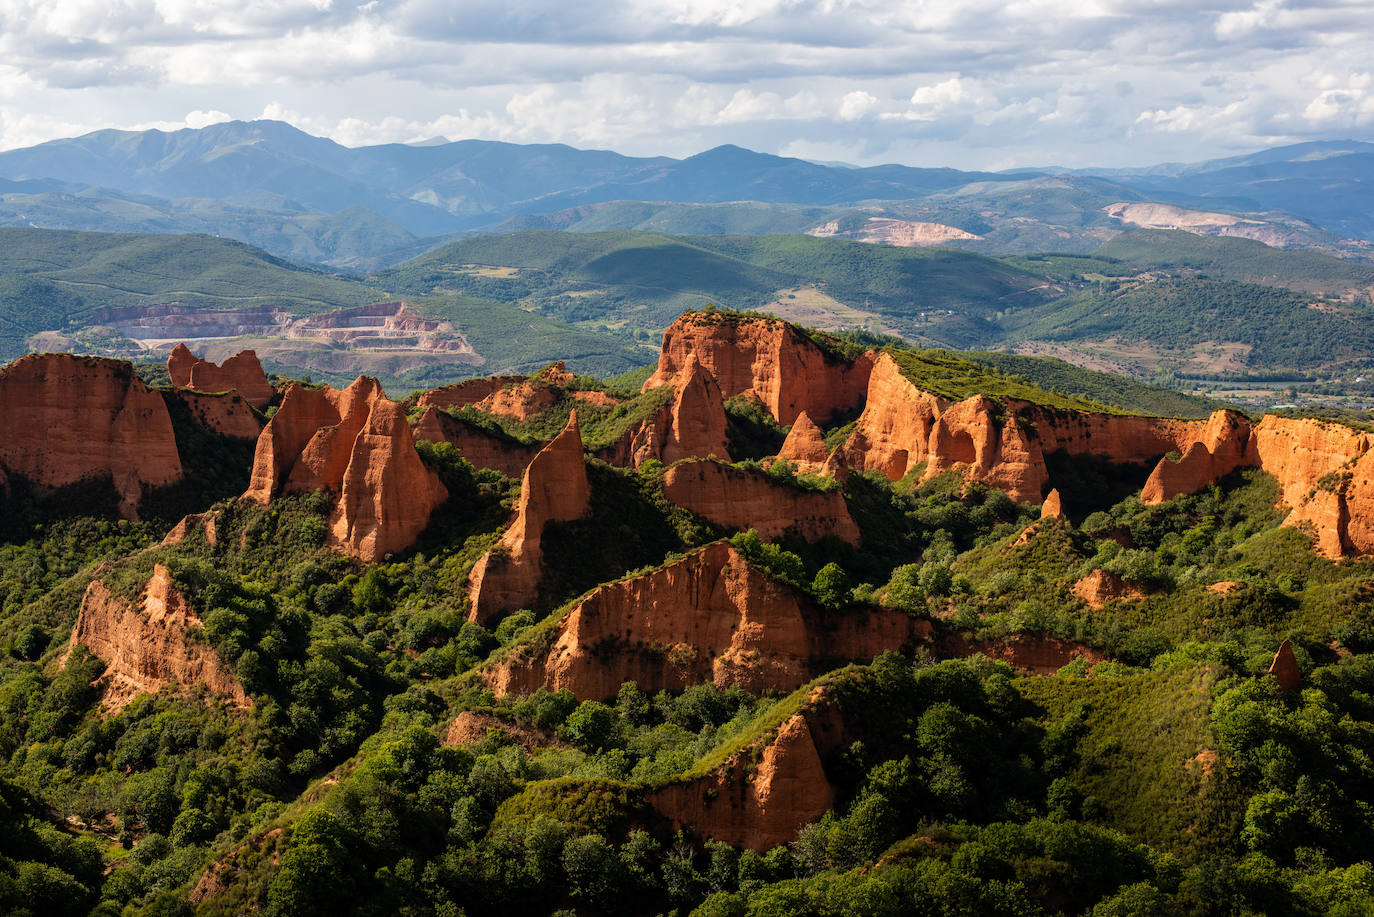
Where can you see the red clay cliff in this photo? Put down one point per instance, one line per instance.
(356, 444)
(67, 419)
(741, 498)
(554, 488)
(708, 617)
(767, 359)
(146, 647)
(242, 373)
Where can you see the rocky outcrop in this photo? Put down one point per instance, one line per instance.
(475, 444)
(805, 448)
(740, 498)
(690, 424)
(1035, 654)
(760, 802)
(67, 419)
(202, 523)
(226, 414)
(519, 397)
(1100, 587)
(462, 394)
(1053, 507)
(768, 359)
(1225, 446)
(708, 617)
(978, 436)
(904, 429)
(554, 488)
(1326, 475)
(147, 647)
(241, 373)
(356, 444)
(1285, 668)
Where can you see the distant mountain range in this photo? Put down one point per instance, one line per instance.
(315, 201)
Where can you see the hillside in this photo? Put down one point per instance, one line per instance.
(119, 294)
(945, 641)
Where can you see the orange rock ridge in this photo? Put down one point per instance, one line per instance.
(769, 358)
(757, 805)
(1036, 654)
(740, 498)
(68, 419)
(146, 648)
(356, 444)
(242, 373)
(1053, 507)
(554, 488)
(708, 617)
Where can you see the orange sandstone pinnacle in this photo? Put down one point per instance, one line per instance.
(356, 444)
(554, 488)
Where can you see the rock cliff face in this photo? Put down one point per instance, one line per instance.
(691, 424)
(67, 419)
(242, 373)
(478, 447)
(740, 498)
(471, 391)
(146, 647)
(356, 444)
(1004, 444)
(1326, 472)
(1036, 654)
(708, 617)
(1225, 445)
(768, 358)
(226, 414)
(554, 488)
(1100, 587)
(805, 447)
(756, 806)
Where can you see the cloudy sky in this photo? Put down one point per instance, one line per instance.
(973, 83)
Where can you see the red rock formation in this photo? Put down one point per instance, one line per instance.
(893, 433)
(691, 424)
(1326, 473)
(740, 498)
(1225, 446)
(708, 617)
(1036, 654)
(526, 396)
(146, 648)
(356, 444)
(555, 488)
(1285, 668)
(189, 525)
(1100, 587)
(67, 419)
(977, 435)
(757, 806)
(1053, 507)
(474, 444)
(242, 373)
(768, 357)
(806, 449)
(226, 414)
(1004, 444)
(471, 391)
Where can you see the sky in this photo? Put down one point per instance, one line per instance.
(987, 84)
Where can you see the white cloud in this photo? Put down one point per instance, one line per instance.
(968, 83)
